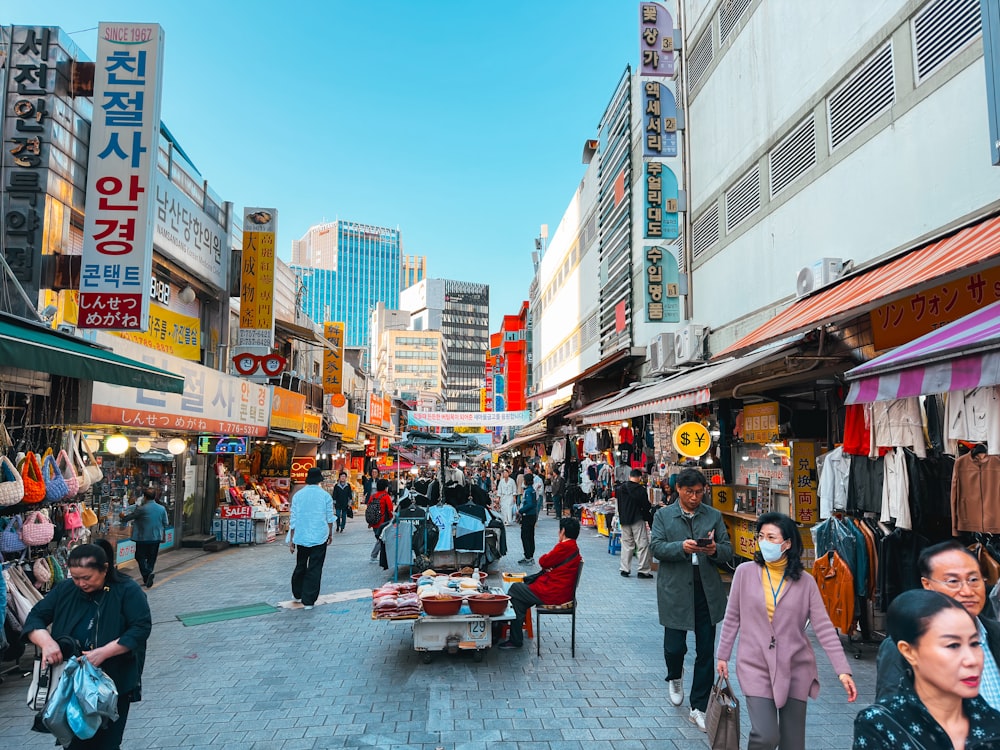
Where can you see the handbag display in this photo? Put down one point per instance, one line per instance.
(55, 486)
(37, 529)
(10, 536)
(68, 472)
(11, 483)
(72, 518)
(93, 469)
(88, 517)
(722, 719)
(73, 449)
(31, 476)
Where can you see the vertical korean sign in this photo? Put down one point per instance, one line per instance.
(656, 40)
(333, 358)
(118, 230)
(257, 278)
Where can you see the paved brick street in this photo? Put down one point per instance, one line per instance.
(331, 677)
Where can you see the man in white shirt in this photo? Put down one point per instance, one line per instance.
(310, 532)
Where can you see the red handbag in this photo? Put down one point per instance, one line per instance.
(31, 474)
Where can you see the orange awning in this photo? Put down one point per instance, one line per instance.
(860, 294)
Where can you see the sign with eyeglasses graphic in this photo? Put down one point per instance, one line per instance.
(269, 364)
(691, 440)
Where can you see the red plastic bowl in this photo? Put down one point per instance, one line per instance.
(488, 604)
(441, 606)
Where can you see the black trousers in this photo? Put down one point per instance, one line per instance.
(522, 599)
(308, 573)
(145, 556)
(528, 535)
(675, 648)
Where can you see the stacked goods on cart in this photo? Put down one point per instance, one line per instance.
(395, 601)
(276, 498)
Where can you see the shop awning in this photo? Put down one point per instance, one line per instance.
(298, 437)
(963, 354)
(860, 294)
(530, 434)
(377, 431)
(302, 333)
(29, 346)
(689, 388)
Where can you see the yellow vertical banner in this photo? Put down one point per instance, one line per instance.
(333, 358)
(257, 278)
(805, 503)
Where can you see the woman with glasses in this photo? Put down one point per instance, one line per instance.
(770, 604)
(940, 707)
(950, 569)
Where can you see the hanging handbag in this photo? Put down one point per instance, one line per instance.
(88, 517)
(10, 536)
(31, 476)
(73, 449)
(71, 517)
(722, 719)
(42, 573)
(65, 466)
(11, 483)
(43, 681)
(93, 468)
(55, 485)
(988, 566)
(37, 529)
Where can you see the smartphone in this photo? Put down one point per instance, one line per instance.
(704, 541)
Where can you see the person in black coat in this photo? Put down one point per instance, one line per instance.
(342, 497)
(634, 513)
(108, 615)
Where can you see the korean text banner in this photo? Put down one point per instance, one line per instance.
(468, 418)
(124, 141)
(186, 234)
(333, 358)
(212, 401)
(656, 40)
(287, 409)
(171, 333)
(257, 278)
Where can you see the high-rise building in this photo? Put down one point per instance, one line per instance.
(461, 311)
(414, 270)
(351, 268)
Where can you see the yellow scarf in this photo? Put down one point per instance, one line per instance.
(774, 584)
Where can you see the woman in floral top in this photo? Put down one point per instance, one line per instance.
(940, 642)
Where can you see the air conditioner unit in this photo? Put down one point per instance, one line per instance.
(818, 274)
(661, 354)
(689, 344)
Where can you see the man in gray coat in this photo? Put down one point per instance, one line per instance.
(687, 538)
(149, 525)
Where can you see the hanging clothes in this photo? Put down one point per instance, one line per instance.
(844, 538)
(836, 588)
(857, 429)
(834, 479)
(590, 441)
(930, 494)
(973, 415)
(625, 435)
(864, 490)
(936, 424)
(443, 517)
(898, 572)
(898, 423)
(558, 453)
(975, 493)
(895, 490)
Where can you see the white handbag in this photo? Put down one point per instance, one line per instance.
(11, 483)
(72, 446)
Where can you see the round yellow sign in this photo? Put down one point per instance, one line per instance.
(692, 440)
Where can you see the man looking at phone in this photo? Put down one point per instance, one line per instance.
(687, 538)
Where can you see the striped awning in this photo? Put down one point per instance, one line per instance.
(860, 294)
(963, 354)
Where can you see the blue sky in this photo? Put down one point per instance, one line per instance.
(462, 123)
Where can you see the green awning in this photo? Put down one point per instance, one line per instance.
(29, 346)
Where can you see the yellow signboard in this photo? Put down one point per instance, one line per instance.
(333, 358)
(171, 333)
(287, 408)
(692, 440)
(760, 423)
(743, 535)
(911, 317)
(804, 500)
(312, 423)
(257, 278)
(351, 431)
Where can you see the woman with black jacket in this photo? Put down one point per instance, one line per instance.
(108, 615)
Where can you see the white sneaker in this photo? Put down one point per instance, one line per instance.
(309, 606)
(677, 690)
(697, 718)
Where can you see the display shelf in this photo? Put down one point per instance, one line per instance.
(744, 516)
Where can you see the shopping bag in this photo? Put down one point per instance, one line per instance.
(722, 720)
(54, 716)
(95, 698)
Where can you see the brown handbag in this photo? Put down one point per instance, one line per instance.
(988, 565)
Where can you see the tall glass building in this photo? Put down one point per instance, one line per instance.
(344, 269)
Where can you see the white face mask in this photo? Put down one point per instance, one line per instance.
(770, 551)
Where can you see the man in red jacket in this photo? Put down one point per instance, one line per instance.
(554, 585)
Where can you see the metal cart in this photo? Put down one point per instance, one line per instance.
(454, 633)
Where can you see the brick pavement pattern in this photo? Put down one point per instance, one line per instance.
(333, 678)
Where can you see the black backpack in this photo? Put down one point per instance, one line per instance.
(373, 513)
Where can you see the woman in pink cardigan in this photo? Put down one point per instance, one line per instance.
(769, 606)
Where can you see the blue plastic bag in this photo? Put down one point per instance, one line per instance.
(95, 698)
(54, 715)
